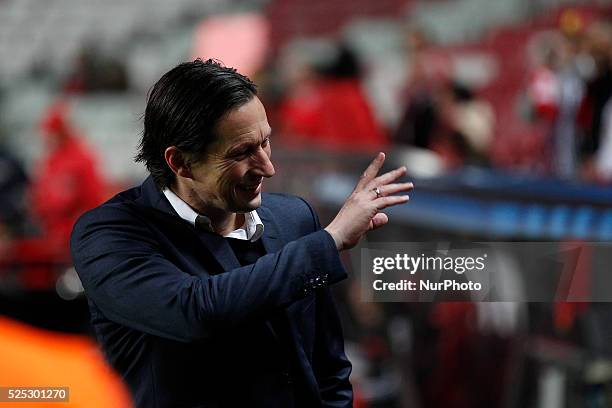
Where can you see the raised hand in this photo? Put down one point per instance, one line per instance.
(361, 210)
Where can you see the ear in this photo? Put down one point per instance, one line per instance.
(177, 163)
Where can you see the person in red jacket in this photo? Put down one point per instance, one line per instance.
(66, 180)
(330, 110)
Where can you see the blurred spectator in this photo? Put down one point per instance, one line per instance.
(466, 127)
(66, 180)
(442, 115)
(543, 92)
(92, 71)
(427, 72)
(327, 108)
(556, 90)
(13, 184)
(543, 88)
(598, 72)
(603, 156)
(566, 137)
(594, 110)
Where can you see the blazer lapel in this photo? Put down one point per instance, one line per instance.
(151, 197)
(272, 243)
(271, 236)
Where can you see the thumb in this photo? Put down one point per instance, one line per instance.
(379, 220)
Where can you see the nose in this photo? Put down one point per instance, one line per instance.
(264, 166)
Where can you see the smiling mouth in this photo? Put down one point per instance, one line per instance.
(252, 188)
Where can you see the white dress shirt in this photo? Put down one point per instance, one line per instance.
(251, 230)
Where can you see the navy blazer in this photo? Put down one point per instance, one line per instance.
(187, 326)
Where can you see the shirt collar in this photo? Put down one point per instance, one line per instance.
(251, 230)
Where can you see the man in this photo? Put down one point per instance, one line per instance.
(203, 291)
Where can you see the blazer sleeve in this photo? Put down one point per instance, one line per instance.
(126, 276)
(331, 366)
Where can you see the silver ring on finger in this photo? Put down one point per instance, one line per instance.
(377, 191)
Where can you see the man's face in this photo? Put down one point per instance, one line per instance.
(230, 176)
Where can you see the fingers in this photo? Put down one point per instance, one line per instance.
(387, 178)
(395, 188)
(370, 173)
(384, 202)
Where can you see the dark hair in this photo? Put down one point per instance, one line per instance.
(344, 66)
(461, 92)
(183, 109)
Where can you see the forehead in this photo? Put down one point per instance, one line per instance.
(247, 122)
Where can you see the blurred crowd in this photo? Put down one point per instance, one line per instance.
(317, 98)
(39, 210)
(568, 93)
(560, 102)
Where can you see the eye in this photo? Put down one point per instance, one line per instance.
(265, 142)
(241, 154)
